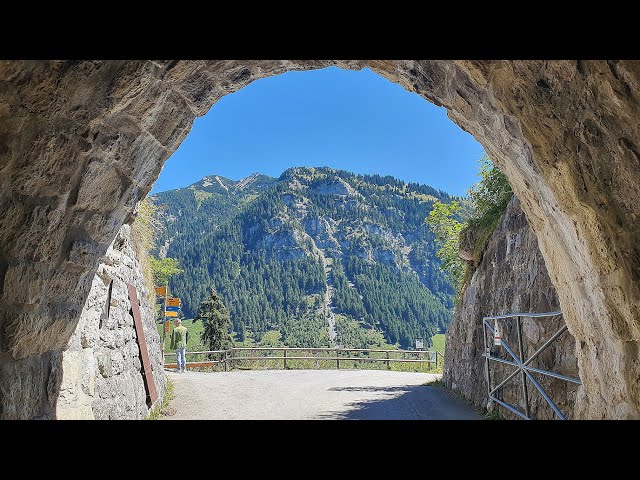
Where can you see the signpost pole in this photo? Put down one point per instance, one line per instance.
(164, 318)
(419, 348)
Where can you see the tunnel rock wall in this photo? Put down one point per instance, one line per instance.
(81, 143)
(511, 277)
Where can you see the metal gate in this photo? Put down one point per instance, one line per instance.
(522, 365)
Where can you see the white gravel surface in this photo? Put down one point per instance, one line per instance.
(314, 394)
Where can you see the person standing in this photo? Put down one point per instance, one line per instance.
(179, 338)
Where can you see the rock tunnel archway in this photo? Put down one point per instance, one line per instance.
(81, 142)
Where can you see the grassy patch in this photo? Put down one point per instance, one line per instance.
(160, 409)
(483, 228)
(494, 415)
(201, 196)
(437, 342)
(143, 241)
(435, 383)
(320, 362)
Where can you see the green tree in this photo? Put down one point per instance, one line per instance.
(445, 226)
(242, 332)
(163, 268)
(272, 338)
(215, 323)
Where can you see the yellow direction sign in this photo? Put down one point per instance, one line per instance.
(167, 326)
(162, 291)
(173, 302)
(171, 314)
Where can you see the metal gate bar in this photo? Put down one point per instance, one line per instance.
(521, 364)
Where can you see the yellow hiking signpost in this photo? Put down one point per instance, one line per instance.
(171, 308)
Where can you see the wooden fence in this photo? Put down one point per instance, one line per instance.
(238, 357)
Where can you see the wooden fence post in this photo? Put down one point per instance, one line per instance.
(388, 362)
(337, 360)
(285, 358)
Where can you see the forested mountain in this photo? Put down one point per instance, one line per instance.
(289, 254)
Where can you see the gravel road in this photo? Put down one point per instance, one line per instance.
(314, 394)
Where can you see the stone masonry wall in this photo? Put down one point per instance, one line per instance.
(511, 277)
(101, 367)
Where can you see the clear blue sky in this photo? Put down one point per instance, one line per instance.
(350, 120)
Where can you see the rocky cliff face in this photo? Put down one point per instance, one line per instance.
(101, 367)
(511, 277)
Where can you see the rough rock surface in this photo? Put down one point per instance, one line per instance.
(511, 277)
(101, 367)
(466, 245)
(81, 142)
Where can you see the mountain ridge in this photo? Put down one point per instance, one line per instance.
(309, 243)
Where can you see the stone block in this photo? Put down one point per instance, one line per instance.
(117, 363)
(24, 283)
(104, 364)
(100, 187)
(103, 227)
(85, 253)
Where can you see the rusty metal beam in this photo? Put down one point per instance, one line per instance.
(147, 372)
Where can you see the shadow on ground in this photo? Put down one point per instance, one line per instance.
(419, 402)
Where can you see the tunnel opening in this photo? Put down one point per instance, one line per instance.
(326, 172)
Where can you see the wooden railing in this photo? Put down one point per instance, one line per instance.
(234, 357)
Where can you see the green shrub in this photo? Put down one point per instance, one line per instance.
(488, 199)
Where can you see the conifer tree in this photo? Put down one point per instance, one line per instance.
(215, 322)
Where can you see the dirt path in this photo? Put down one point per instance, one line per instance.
(314, 394)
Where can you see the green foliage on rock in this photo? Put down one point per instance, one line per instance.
(396, 302)
(490, 195)
(488, 199)
(345, 298)
(143, 236)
